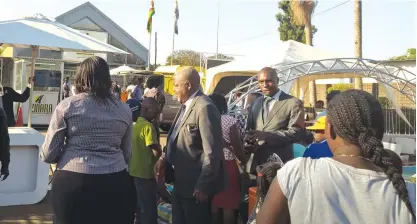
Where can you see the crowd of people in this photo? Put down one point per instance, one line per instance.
(111, 164)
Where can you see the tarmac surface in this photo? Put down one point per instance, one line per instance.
(40, 213)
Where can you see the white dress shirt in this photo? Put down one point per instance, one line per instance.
(275, 98)
(188, 104)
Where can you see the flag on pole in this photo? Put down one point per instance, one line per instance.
(177, 15)
(150, 15)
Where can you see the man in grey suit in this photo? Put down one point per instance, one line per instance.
(194, 152)
(276, 120)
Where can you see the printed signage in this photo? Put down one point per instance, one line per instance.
(41, 108)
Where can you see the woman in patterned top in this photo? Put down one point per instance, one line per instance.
(90, 139)
(228, 200)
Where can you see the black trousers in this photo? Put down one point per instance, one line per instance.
(188, 211)
(93, 198)
(246, 183)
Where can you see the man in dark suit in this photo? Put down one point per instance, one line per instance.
(274, 123)
(194, 152)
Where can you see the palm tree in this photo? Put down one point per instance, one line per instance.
(302, 11)
(358, 37)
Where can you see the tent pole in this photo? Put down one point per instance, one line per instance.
(32, 73)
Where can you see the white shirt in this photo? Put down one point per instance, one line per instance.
(131, 87)
(176, 125)
(188, 104)
(73, 91)
(275, 98)
(327, 191)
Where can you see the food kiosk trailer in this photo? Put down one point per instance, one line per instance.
(46, 90)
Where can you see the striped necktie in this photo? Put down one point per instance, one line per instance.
(267, 101)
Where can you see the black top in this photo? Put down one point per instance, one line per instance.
(10, 96)
(4, 140)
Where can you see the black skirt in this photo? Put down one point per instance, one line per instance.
(93, 198)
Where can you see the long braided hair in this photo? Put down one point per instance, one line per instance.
(357, 117)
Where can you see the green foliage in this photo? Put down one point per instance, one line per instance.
(184, 58)
(409, 55)
(341, 87)
(222, 57)
(288, 30)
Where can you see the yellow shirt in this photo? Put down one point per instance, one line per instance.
(143, 160)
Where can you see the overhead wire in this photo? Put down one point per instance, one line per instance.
(270, 32)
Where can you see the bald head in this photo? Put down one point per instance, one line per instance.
(191, 75)
(268, 81)
(270, 72)
(186, 83)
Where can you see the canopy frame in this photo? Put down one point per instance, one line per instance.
(287, 72)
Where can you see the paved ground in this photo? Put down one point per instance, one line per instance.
(40, 213)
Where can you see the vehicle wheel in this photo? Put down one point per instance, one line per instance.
(165, 127)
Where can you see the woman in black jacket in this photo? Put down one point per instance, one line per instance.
(10, 96)
(4, 146)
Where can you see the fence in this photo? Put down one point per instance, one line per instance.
(394, 124)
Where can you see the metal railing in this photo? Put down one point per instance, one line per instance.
(394, 124)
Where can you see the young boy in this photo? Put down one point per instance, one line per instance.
(319, 148)
(145, 152)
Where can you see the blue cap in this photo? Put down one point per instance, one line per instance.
(133, 104)
(135, 108)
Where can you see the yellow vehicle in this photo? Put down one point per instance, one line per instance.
(168, 73)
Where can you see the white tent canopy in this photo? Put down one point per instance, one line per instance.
(39, 32)
(286, 52)
(47, 34)
(122, 70)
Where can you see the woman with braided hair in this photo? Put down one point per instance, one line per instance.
(361, 183)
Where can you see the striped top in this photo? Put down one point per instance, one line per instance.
(89, 136)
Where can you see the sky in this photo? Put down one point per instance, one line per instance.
(246, 27)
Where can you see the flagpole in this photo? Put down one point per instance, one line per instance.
(149, 28)
(218, 23)
(173, 42)
(176, 14)
(149, 51)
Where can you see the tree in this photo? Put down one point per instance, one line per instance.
(288, 29)
(222, 57)
(184, 58)
(410, 55)
(302, 10)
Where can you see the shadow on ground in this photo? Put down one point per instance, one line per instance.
(40, 213)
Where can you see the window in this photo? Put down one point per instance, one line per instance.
(47, 80)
